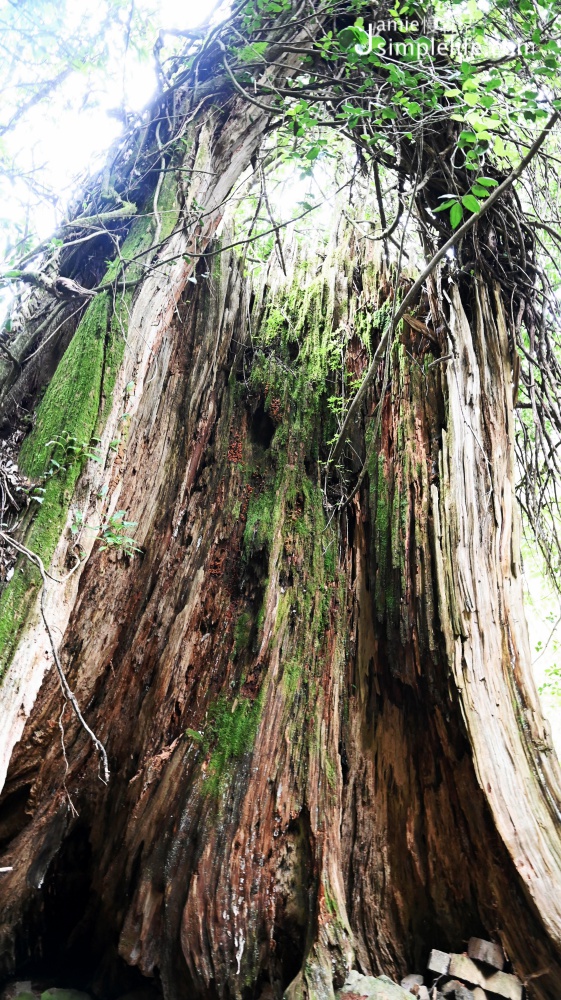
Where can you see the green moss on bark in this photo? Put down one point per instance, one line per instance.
(142, 231)
(71, 402)
(76, 403)
(242, 632)
(231, 732)
(296, 369)
(70, 406)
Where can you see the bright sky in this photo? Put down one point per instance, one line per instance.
(69, 136)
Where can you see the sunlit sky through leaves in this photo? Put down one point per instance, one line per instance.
(63, 139)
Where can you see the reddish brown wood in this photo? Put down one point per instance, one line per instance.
(355, 829)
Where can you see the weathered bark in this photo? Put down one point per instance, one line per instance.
(216, 154)
(371, 776)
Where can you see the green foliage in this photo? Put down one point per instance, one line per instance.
(551, 686)
(472, 200)
(114, 534)
(437, 62)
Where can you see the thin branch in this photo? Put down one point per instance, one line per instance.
(68, 694)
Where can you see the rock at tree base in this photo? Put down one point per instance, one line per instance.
(456, 991)
(20, 990)
(439, 961)
(60, 994)
(412, 980)
(486, 951)
(502, 983)
(358, 987)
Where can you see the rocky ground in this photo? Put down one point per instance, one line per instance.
(477, 974)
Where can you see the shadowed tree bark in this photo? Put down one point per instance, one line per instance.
(325, 746)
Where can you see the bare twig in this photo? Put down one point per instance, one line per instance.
(68, 694)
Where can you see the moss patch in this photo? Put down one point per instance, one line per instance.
(71, 402)
(260, 521)
(242, 632)
(71, 406)
(298, 343)
(141, 234)
(232, 730)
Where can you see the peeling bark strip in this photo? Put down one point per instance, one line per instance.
(481, 588)
(310, 769)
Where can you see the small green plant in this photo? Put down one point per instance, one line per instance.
(67, 450)
(77, 522)
(37, 493)
(115, 534)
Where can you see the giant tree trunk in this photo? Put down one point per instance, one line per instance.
(325, 746)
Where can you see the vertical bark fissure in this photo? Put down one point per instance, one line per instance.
(288, 708)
